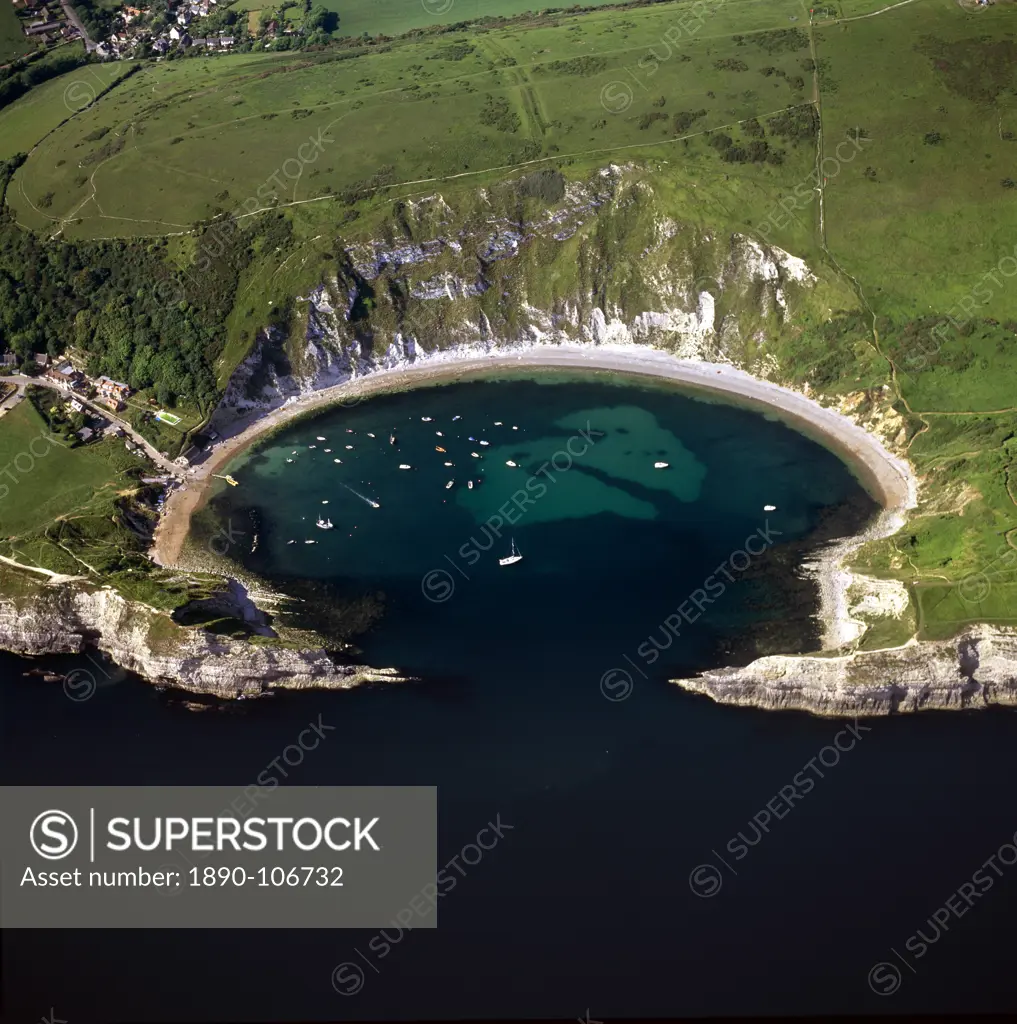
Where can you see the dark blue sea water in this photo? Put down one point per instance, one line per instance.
(587, 900)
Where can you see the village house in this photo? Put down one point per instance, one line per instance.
(39, 27)
(41, 359)
(76, 405)
(10, 359)
(86, 433)
(112, 392)
(65, 375)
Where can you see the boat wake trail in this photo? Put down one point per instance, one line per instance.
(373, 504)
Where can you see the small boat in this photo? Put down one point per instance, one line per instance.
(338, 460)
(497, 423)
(293, 453)
(515, 428)
(512, 557)
(328, 451)
(469, 484)
(392, 439)
(291, 542)
(289, 460)
(369, 434)
(312, 446)
(310, 542)
(769, 508)
(660, 465)
(454, 418)
(324, 524)
(449, 484)
(438, 448)
(485, 442)
(425, 419)
(403, 465)
(509, 462)
(325, 501)
(448, 463)
(471, 438)
(349, 447)
(476, 455)
(321, 438)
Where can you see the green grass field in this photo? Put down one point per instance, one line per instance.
(419, 112)
(51, 492)
(24, 123)
(13, 41)
(394, 17)
(932, 217)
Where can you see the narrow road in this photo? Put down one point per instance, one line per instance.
(72, 16)
(167, 465)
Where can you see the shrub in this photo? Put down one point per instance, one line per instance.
(730, 64)
(647, 119)
(685, 119)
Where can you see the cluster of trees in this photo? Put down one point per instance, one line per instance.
(19, 77)
(97, 21)
(135, 317)
(800, 124)
(314, 30)
(755, 151)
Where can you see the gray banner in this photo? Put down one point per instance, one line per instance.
(214, 856)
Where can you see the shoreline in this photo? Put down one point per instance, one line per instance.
(888, 478)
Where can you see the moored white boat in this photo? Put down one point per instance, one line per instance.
(512, 557)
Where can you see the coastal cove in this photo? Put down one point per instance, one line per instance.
(609, 541)
(888, 477)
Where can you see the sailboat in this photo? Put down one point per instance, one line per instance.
(324, 524)
(512, 557)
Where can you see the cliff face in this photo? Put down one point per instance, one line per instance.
(974, 670)
(68, 620)
(501, 269)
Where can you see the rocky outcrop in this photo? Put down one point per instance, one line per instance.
(974, 670)
(69, 620)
